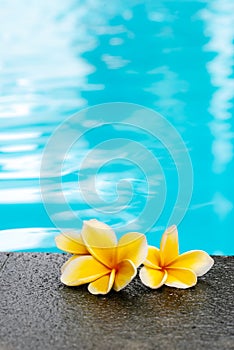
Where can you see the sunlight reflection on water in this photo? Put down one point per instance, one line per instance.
(56, 59)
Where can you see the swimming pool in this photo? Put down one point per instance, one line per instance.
(171, 57)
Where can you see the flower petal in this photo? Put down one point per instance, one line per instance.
(169, 246)
(153, 258)
(152, 278)
(103, 284)
(132, 246)
(68, 261)
(126, 271)
(180, 278)
(196, 260)
(100, 241)
(83, 269)
(71, 243)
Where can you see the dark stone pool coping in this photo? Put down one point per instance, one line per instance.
(38, 312)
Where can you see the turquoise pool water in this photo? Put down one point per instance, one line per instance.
(175, 57)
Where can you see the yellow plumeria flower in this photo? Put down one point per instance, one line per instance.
(166, 266)
(110, 263)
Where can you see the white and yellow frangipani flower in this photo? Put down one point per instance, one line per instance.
(100, 259)
(166, 266)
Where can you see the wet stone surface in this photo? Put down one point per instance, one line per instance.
(3, 259)
(38, 312)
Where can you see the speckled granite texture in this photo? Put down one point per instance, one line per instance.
(38, 312)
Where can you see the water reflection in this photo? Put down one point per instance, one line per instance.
(58, 58)
(28, 239)
(219, 18)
